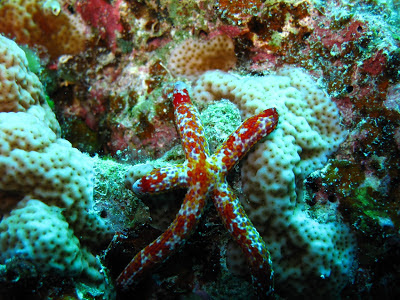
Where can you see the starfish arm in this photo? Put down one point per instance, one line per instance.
(189, 125)
(160, 249)
(240, 141)
(248, 238)
(161, 179)
(203, 175)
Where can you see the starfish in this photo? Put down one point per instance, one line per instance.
(204, 176)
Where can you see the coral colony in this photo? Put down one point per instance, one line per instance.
(141, 153)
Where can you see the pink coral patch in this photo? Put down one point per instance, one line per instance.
(376, 64)
(103, 16)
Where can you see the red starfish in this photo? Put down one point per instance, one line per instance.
(204, 176)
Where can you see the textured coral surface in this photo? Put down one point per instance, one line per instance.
(323, 190)
(308, 131)
(47, 216)
(43, 23)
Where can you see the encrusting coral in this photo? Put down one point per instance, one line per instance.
(307, 249)
(193, 57)
(21, 90)
(46, 185)
(44, 23)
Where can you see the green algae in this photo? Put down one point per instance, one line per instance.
(342, 176)
(219, 119)
(81, 136)
(34, 63)
(113, 199)
(361, 200)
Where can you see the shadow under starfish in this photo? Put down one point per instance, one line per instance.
(204, 176)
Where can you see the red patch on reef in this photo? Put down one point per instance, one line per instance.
(346, 108)
(263, 57)
(331, 37)
(103, 16)
(229, 30)
(152, 139)
(376, 64)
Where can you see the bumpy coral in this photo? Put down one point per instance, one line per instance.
(21, 90)
(194, 57)
(307, 248)
(43, 23)
(45, 239)
(16, 95)
(33, 161)
(36, 164)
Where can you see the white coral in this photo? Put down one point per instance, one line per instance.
(54, 179)
(305, 251)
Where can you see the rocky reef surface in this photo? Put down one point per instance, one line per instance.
(86, 109)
